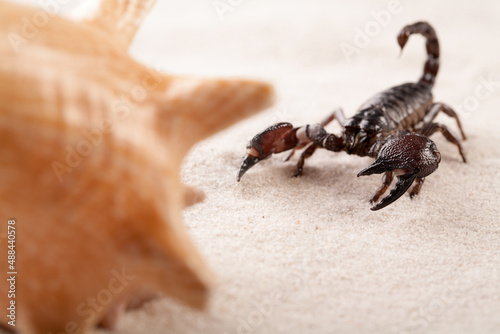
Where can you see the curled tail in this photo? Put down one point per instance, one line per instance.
(432, 45)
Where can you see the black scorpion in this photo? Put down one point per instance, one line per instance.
(393, 127)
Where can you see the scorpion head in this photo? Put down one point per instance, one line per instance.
(364, 129)
(358, 141)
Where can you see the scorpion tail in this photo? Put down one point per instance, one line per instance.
(432, 45)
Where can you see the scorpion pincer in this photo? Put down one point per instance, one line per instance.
(393, 126)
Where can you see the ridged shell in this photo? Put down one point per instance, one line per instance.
(90, 151)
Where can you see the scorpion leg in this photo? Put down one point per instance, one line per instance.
(386, 182)
(338, 115)
(418, 185)
(434, 110)
(431, 128)
(310, 149)
(292, 152)
(319, 139)
(408, 156)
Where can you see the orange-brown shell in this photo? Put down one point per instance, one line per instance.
(91, 144)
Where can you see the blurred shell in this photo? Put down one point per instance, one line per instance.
(90, 153)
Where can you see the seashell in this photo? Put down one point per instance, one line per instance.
(90, 152)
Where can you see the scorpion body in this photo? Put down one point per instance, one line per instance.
(392, 126)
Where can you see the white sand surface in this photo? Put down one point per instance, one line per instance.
(306, 255)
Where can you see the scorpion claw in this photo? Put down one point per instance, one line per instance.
(246, 163)
(409, 156)
(274, 139)
(404, 182)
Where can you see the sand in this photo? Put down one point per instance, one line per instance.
(306, 255)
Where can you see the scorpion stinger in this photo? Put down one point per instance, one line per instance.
(393, 126)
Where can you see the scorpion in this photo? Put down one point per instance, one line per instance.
(393, 126)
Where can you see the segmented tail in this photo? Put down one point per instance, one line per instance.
(432, 45)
